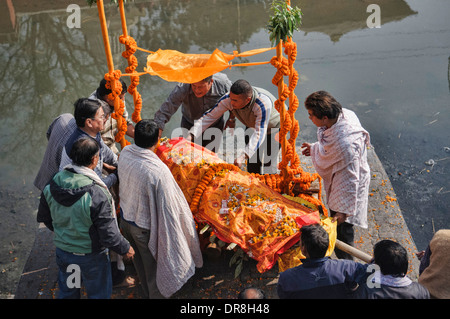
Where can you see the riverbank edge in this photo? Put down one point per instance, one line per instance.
(216, 279)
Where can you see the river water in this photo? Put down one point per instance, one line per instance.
(395, 77)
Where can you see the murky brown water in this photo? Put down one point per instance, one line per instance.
(396, 78)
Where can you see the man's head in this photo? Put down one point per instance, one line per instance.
(322, 104)
(252, 293)
(89, 115)
(391, 257)
(103, 93)
(240, 94)
(146, 133)
(314, 241)
(85, 152)
(202, 87)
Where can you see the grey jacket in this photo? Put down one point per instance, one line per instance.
(192, 107)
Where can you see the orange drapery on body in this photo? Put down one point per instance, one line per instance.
(237, 205)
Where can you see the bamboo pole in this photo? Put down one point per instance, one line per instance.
(104, 27)
(280, 92)
(109, 60)
(122, 18)
(353, 251)
(136, 95)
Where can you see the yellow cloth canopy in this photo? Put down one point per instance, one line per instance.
(174, 66)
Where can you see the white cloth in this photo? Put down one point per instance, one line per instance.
(151, 198)
(94, 176)
(340, 158)
(379, 279)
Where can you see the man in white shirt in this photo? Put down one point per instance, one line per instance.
(340, 158)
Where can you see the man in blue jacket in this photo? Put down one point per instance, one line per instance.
(90, 119)
(319, 277)
(77, 206)
(389, 280)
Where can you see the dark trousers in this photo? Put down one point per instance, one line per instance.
(92, 270)
(346, 234)
(255, 164)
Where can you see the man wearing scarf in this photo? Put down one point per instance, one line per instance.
(156, 217)
(388, 279)
(77, 206)
(340, 158)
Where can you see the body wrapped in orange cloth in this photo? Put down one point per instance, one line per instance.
(238, 206)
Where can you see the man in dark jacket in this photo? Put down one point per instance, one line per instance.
(77, 206)
(319, 277)
(90, 119)
(389, 280)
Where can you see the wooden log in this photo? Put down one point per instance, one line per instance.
(353, 251)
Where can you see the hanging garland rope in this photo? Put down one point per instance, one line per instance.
(281, 26)
(130, 49)
(113, 83)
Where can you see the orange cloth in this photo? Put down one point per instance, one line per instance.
(174, 66)
(237, 205)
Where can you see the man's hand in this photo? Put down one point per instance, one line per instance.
(307, 150)
(241, 160)
(231, 123)
(420, 254)
(339, 218)
(130, 254)
(190, 138)
(109, 168)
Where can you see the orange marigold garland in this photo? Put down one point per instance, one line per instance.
(291, 175)
(212, 171)
(113, 83)
(130, 49)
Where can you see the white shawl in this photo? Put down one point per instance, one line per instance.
(151, 198)
(93, 175)
(340, 158)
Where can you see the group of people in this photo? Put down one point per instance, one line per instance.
(322, 277)
(104, 208)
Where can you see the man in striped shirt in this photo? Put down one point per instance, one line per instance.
(254, 107)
